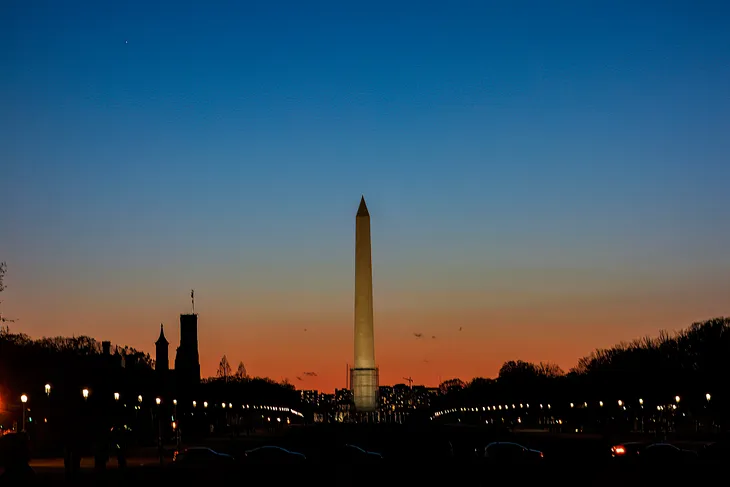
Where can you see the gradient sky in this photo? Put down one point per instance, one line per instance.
(550, 176)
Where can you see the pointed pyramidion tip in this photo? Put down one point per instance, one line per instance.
(363, 209)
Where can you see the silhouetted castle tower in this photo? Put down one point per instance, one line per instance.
(187, 361)
(162, 353)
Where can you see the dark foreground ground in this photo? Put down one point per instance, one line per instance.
(410, 457)
(390, 474)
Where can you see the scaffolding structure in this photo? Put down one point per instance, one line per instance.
(364, 384)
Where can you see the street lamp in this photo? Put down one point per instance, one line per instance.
(600, 403)
(47, 388)
(158, 401)
(195, 404)
(205, 404)
(708, 397)
(139, 399)
(174, 423)
(85, 393)
(676, 398)
(116, 396)
(620, 403)
(23, 399)
(641, 401)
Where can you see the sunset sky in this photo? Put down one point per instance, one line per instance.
(550, 177)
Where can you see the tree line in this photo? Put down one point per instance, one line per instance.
(690, 363)
(70, 364)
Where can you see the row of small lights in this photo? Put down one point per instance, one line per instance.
(85, 394)
(621, 404)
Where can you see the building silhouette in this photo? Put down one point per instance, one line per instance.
(187, 360)
(162, 353)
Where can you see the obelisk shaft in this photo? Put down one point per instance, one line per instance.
(364, 334)
(364, 374)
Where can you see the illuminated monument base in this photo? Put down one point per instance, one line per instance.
(364, 386)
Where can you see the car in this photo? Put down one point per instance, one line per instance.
(354, 454)
(509, 453)
(716, 453)
(652, 453)
(666, 453)
(628, 451)
(201, 457)
(273, 454)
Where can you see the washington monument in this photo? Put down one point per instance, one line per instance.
(364, 374)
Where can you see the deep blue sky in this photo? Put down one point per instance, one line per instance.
(149, 146)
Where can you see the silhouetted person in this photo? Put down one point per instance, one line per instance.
(72, 441)
(15, 457)
(101, 454)
(160, 450)
(119, 440)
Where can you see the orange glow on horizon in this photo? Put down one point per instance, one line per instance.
(284, 335)
(286, 349)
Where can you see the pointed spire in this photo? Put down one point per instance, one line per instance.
(363, 209)
(162, 340)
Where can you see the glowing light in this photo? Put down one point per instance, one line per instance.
(116, 396)
(23, 398)
(85, 393)
(47, 388)
(158, 401)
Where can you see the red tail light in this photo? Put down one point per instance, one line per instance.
(618, 450)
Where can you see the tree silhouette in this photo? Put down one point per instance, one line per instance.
(630, 385)
(451, 385)
(3, 270)
(241, 372)
(549, 370)
(224, 369)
